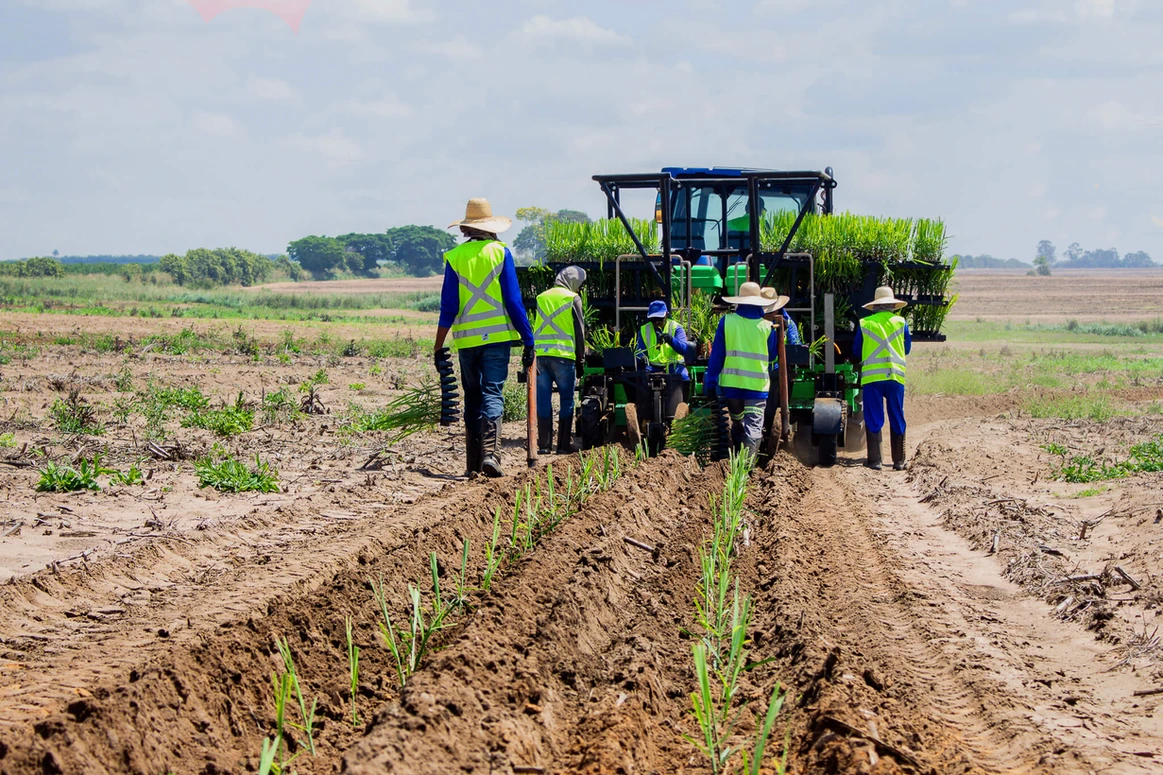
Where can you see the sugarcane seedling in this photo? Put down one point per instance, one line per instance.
(388, 632)
(307, 716)
(266, 760)
(353, 670)
(492, 556)
(282, 688)
(753, 759)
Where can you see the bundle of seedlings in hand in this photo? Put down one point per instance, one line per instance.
(449, 397)
(418, 409)
(694, 435)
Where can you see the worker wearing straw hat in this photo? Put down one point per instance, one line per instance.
(480, 305)
(882, 341)
(739, 372)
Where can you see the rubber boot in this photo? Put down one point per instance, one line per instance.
(544, 435)
(491, 442)
(565, 445)
(873, 459)
(472, 450)
(898, 451)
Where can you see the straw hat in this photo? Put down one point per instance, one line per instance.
(478, 214)
(884, 298)
(777, 302)
(750, 294)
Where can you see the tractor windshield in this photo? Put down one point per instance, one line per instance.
(718, 217)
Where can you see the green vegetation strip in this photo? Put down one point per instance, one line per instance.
(1077, 469)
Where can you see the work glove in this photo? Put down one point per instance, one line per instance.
(527, 357)
(711, 389)
(667, 338)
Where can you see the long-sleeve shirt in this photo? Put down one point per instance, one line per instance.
(793, 331)
(510, 295)
(858, 342)
(679, 344)
(719, 355)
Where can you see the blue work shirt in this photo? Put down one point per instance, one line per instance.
(510, 295)
(719, 355)
(793, 331)
(680, 345)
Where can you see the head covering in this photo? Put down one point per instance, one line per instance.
(777, 302)
(478, 214)
(657, 310)
(571, 278)
(884, 298)
(749, 294)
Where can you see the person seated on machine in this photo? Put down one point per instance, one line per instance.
(661, 347)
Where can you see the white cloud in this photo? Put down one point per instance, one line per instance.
(388, 107)
(1155, 219)
(216, 124)
(274, 89)
(1038, 191)
(1097, 213)
(459, 47)
(393, 11)
(335, 147)
(542, 30)
(1100, 9)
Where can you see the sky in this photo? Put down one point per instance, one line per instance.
(145, 126)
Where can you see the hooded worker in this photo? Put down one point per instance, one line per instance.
(480, 305)
(739, 372)
(882, 342)
(561, 349)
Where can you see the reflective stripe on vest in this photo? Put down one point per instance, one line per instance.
(883, 352)
(554, 332)
(658, 352)
(747, 364)
(482, 318)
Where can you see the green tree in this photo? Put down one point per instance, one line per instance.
(373, 249)
(1042, 266)
(1046, 250)
(321, 256)
(420, 249)
(41, 266)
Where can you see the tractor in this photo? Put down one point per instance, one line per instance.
(708, 220)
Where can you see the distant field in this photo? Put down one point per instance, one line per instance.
(1123, 295)
(395, 285)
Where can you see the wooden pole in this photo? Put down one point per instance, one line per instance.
(784, 415)
(531, 415)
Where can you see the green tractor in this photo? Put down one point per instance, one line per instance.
(698, 248)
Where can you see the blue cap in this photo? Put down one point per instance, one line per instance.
(657, 310)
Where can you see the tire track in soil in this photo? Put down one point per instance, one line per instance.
(122, 699)
(871, 646)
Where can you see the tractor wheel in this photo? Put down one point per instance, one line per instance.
(633, 429)
(828, 450)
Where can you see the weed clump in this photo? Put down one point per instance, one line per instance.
(227, 474)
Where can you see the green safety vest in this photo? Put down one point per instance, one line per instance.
(482, 318)
(658, 352)
(554, 332)
(883, 356)
(748, 363)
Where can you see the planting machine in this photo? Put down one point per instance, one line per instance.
(709, 242)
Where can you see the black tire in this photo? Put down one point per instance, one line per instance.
(827, 451)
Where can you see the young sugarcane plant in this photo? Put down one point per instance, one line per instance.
(308, 716)
(753, 759)
(353, 670)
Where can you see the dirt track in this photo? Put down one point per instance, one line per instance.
(880, 619)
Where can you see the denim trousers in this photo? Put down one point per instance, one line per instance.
(483, 371)
(551, 371)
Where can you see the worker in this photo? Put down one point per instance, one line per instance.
(739, 372)
(661, 344)
(480, 304)
(561, 349)
(882, 342)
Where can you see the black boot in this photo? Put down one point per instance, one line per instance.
(472, 449)
(873, 458)
(491, 442)
(544, 435)
(565, 445)
(898, 451)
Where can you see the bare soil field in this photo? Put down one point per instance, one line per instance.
(974, 614)
(1123, 295)
(394, 285)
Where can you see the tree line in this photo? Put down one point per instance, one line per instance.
(1076, 257)
(416, 250)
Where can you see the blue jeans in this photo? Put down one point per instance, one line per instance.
(876, 395)
(560, 371)
(483, 370)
